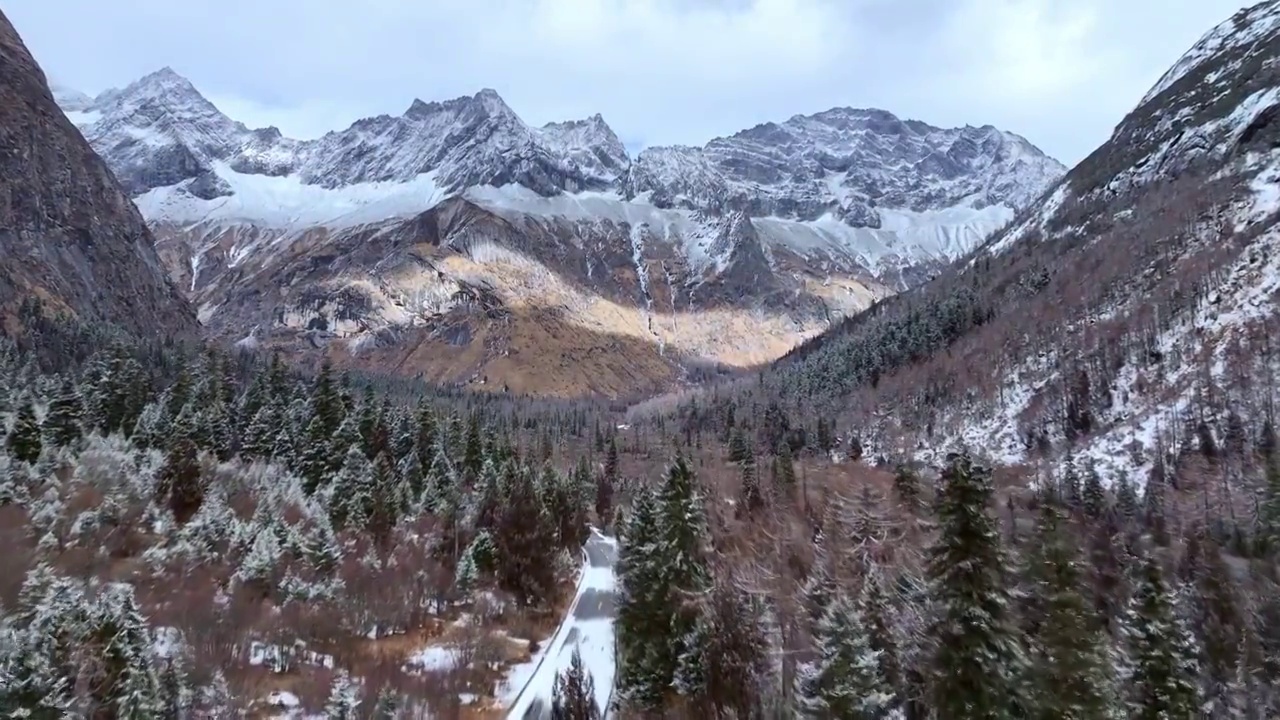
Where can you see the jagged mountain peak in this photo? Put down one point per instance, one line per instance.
(68, 98)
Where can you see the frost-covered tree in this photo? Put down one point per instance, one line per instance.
(23, 441)
(466, 576)
(819, 586)
(118, 635)
(261, 563)
(642, 618)
(978, 656)
(1163, 681)
(388, 705)
(177, 697)
(178, 481)
(573, 696)
(750, 497)
(683, 533)
(62, 422)
(845, 680)
(343, 701)
(215, 700)
(1070, 665)
(353, 490)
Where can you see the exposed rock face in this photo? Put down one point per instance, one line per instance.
(1124, 321)
(368, 233)
(68, 234)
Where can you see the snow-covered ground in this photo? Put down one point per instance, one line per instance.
(587, 626)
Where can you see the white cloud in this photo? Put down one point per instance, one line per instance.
(1060, 72)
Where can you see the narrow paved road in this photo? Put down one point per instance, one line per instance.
(588, 626)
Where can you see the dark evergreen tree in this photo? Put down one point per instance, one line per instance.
(573, 696)
(724, 663)
(738, 446)
(1126, 498)
(784, 472)
(1163, 682)
(906, 485)
(178, 482)
(642, 616)
(1070, 669)
(526, 538)
(24, 442)
(1094, 496)
(62, 423)
(750, 497)
(1219, 623)
(611, 461)
(979, 658)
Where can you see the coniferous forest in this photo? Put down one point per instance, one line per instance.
(190, 533)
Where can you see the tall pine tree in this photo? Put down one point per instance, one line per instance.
(978, 657)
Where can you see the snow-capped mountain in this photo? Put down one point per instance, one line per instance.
(803, 221)
(1125, 320)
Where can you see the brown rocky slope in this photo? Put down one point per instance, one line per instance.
(68, 235)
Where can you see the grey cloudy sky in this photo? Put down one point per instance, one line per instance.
(1060, 72)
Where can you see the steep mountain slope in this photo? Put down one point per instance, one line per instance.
(68, 235)
(381, 233)
(1124, 319)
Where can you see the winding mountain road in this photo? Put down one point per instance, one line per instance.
(587, 626)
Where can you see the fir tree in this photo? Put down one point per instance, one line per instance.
(315, 455)
(611, 461)
(178, 482)
(604, 501)
(260, 435)
(683, 533)
(326, 403)
(978, 655)
(526, 540)
(216, 701)
(177, 698)
(819, 587)
(1070, 667)
(1126, 498)
(906, 485)
(641, 616)
(1070, 491)
(724, 661)
(1094, 497)
(845, 681)
(1163, 682)
(62, 423)
(23, 442)
(750, 498)
(353, 491)
(467, 575)
(119, 636)
(343, 702)
(738, 446)
(388, 704)
(784, 472)
(573, 696)
(1219, 623)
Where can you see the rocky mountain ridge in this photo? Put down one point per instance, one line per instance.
(1125, 321)
(799, 222)
(68, 235)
